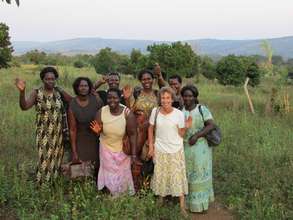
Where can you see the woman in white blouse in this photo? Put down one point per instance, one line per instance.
(167, 127)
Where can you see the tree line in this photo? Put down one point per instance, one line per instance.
(175, 58)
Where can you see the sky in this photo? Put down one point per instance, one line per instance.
(50, 20)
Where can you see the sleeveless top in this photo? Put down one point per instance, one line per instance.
(86, 140)
(114, 128)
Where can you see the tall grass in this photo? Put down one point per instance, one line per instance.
(253, 167)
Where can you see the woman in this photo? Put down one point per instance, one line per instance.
(142, 102)
(166, 148)
(82, 110)
(49, 107)
(145, 99)
(198, 155)
(113, 122)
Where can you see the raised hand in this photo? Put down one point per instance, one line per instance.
(104, 79)
(188, 122)
(96, 127)
(20, 84)
(157, 70)
(127, 91)
(100, 82)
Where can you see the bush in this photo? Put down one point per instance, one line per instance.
(233, 70)
(78, 64)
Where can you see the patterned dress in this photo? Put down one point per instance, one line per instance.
(198, 160)
(146, 103)
(48, 135)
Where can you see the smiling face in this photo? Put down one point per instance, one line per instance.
(146, 81)
(113, 100)
(166, 100)
(113, 81)
(83, 88)
(175, 85)
(188, 98)
(49, 80)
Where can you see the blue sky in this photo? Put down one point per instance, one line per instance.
(48, 20)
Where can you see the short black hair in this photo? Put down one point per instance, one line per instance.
(77, 81)
(145, 71)
(176, 76)
(48, 69)
(114, 74)
(191, 88)
(118, 91)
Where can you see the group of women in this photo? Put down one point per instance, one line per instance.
(166, 126)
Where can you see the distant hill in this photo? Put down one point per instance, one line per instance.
(282, 46)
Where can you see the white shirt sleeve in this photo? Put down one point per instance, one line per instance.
(152, 117)
(181, 118)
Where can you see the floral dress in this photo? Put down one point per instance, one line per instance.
(48, 135)
(198, 160)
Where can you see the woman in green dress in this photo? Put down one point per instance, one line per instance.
(49, 108)
(198, 155)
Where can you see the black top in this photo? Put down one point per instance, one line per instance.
(86, 140)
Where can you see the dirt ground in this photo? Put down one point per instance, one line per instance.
(216, 212)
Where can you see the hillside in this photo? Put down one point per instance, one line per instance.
(282, 46)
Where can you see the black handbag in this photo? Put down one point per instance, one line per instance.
(214, 136)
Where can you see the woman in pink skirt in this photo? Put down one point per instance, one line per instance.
(113, 121)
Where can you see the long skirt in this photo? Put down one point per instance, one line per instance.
(169, 174)
(199, 174)
(115, 172)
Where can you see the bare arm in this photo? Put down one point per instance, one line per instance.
(142, 125)
(158, 74)
(151, 140)
(209, 125)
(67, 96)
(161, 81)
(72, 129)
(98, 116)
(26, 104)
(131, 130)
(100, 82)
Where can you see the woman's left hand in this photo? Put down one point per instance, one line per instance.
(127, 91)
(192, 140)
(188, 122)
(96, 127)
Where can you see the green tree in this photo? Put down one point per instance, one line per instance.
(208, 68)
(105, 61)
(233, 70)
(36, 56)
(5, 46)
(174, 58)
(78, 64)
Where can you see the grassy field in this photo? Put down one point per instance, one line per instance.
(253, 167)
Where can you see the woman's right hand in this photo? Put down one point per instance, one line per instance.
(75, 158)
(96, 127)
(151, 151)
(192, 140)
(20, 84)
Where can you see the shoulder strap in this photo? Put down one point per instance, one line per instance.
(200, 111)
(156, 116)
